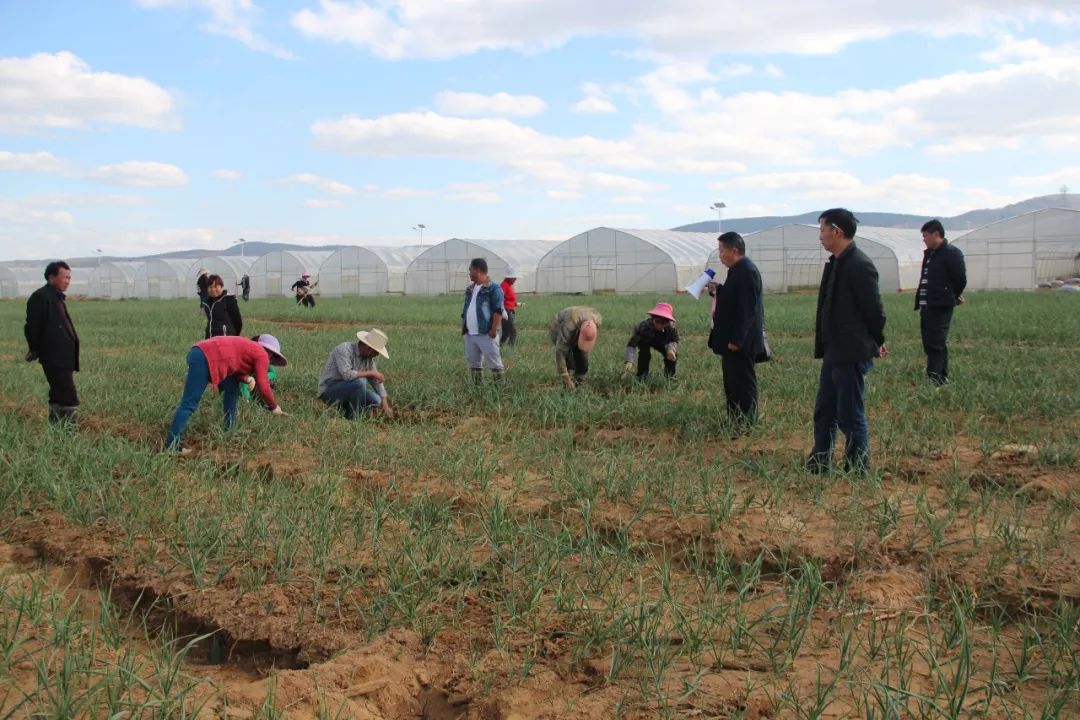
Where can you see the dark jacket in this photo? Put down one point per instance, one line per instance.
(850, 326)
(740, 311)
(946, 276)
(223, 316)
(50, 334)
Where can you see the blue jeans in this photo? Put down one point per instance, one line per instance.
(352, 397)
(198, 377)
(840, 406)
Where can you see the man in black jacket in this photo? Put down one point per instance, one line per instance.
(849, 333)
(52, 341)
(738, 328)
(941, 287)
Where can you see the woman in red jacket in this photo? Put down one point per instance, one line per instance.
(225, 362)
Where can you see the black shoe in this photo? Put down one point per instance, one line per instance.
(818, 464)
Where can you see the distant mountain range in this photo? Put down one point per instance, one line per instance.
(966, 221)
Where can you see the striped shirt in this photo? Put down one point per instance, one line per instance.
(343, 364)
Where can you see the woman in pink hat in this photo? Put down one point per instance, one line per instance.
(225, 362)
(656, 332)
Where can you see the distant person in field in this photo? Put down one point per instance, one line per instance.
(350, 380)
(245, 287)
(225, 362)
(52, 341)
(202, 283)
(302, 289)
(223, 316)
(481, 317)
(573, 332)
(656, 332)
(510, 305)
(941, 288)
(849, 332)
(738, 329)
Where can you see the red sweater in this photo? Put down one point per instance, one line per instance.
(509, 296)
(233, 356)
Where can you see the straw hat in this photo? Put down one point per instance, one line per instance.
(510, 273)
(375, 339)
(663, 310)
(271, 343)
(587, 336)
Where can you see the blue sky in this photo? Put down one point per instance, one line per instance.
(148, 125)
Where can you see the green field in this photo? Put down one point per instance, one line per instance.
(528, 551)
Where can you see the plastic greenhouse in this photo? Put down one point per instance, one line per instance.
(790, 257)
(624, 261)
(444, 268)
(19, 281)
(1018, 252)
(274, 273)
(164, 279)
(366, 270)
(113, 280)
(230, 267)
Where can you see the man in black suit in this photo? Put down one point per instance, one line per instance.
(738, 329)
(52, 341)
(941, 288)
(849, 333)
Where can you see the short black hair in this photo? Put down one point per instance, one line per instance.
(53, 269)
(934, 226)
(733, 241)
(214, 280)
(478, 264)
(842, 219)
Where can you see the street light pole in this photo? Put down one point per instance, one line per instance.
(98, 251)
(242, 247)
(421, 227)
(719, 208)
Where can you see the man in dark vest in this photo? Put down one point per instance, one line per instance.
(737, 334)
(849, 333)
(941, 287)
(52, 341)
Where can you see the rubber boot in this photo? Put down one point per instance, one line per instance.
(497, 376)
(477, 376)
(69, 416)
(54, 414)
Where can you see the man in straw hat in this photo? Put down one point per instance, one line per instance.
(351, 382)
(656, 332)
(225, 362)
(573, 332)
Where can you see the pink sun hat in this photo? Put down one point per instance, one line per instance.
(663, 310)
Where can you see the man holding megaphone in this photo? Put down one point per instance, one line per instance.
(738, 333)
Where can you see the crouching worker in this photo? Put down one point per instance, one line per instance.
(573, 332)
(656, 332)
(351, 382)
(225, 362)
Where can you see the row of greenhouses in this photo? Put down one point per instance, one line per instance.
(1015, 253)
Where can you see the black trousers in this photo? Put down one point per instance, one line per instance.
(934, 324)
(577, 362)
(644, 359)
(61, 386)
(740, 386)
(305, 300)
(509, 329)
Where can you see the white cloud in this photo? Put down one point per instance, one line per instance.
(141, 174)
(23, 212)
(39, 162)
(1051, 182)
(609, 181)
(226, 174)
(593, 106)
(628, 199)
(149, 242)
(1010, 48)
(229, 18)
(395, 29)
(595, 102)
(320, 203)
(482, 193)
(323, 185)
(60, 90)
(773, 71)
(907, 192)
(562, 194)
(474, 104)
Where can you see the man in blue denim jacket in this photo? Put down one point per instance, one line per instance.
(480, 320)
